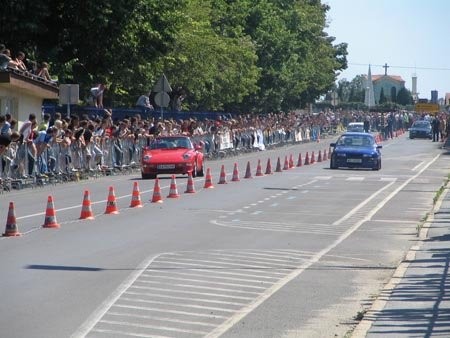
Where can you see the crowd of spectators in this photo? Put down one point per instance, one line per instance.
(19, 63)
(60, 144)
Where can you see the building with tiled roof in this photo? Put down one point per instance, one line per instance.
(391, 85)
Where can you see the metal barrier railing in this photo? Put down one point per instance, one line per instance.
(56, 161)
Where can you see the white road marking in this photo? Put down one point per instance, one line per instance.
(314, 259)
(200, 287)
(192, 306)
(163, 328)
(221, 295)
(204, 300)
(177, 312)
(388, 179)
(355, 178)
(206, 281)
(89, 324)
(111, 301)
(417, 166)
(128, 333)
(165, 319)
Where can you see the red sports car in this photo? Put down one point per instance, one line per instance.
(172, 155)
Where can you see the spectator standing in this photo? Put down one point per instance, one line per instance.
(144, 102)
(435, 124)
(366, 124)
(6, 126)
(97, 95)
(45, 123)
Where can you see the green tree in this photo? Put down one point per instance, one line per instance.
(217, 67)
(404, 97)
(244, 55)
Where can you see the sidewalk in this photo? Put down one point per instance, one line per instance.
(416, 302)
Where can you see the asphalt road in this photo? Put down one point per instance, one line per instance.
(293, 254)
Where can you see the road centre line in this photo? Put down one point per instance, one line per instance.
(230, 322)
(362, 204)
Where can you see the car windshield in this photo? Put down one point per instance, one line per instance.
(355, 141)
(171, 143)
(421, 124)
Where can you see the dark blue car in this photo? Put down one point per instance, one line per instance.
(356, 150)
(421, 129)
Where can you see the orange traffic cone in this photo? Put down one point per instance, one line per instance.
(223, 176)
(299, 161)
(313, 159)
(111, 207)
(50, 215)
(208, 180)
(319, 157)
(11, 226)
(291, 162)
(286, 163)
(329, 153)
(259, 169)
(268, 168)
(248, 173)
(190, 188)
(86, 210)
(278, 168)
(156, 198)
(136, 197)
(235, 177)
(173, 192)
(307, 159)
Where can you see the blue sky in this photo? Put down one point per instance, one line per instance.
(408, 35)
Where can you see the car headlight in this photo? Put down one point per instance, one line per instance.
(341, 155)
(187, 156)
(147, 158)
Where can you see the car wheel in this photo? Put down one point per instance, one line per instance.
(200, 172)
(333, 163)
(146, 176)
(378, 167)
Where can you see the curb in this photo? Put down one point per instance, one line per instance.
(363, 327)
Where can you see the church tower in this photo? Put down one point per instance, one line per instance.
(369, 97)
(415, 94)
